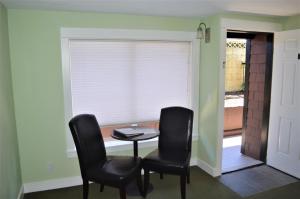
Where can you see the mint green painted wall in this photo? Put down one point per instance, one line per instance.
(38, 91)
(209, 94)
(291, 23)
(10, 176)
(288, 23)
(251, 17)
(37, 81)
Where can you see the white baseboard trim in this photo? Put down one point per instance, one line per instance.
(194, 162)
(74, 181)
(52, 184)
(21, 193)
(214, 172)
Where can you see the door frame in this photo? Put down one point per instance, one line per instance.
(225, 25)
(246, 94)
(267, 100)
(267, 91)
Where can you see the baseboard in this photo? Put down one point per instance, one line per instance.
(74, 181)
(21, 193)
(52, 184)
(194, 162)
(208, 169)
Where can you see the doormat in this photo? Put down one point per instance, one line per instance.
(255, 180)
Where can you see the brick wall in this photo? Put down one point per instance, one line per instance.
(254, 124)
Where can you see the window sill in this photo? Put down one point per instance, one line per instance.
(117, 145)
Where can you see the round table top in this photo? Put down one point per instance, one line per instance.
(149, 133)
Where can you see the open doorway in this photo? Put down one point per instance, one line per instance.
(247, 96)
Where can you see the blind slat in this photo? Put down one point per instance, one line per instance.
(128, 81)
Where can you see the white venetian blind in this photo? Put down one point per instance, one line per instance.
(128, 81)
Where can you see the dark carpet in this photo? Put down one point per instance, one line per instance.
(202, 186)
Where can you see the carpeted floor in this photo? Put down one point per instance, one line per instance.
(202, 186)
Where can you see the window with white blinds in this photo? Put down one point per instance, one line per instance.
(128, 81)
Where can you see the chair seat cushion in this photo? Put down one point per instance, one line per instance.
(116, 171)
(173, 163)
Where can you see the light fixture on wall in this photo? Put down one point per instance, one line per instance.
(203, 32)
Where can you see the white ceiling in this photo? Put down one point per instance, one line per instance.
(185, 8)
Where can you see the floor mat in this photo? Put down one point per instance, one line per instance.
(290, 191)
(233, 160)
(255, 180)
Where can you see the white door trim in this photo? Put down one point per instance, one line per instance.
(233, 24)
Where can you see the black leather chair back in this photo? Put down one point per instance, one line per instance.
(176, 124)
(88, 141)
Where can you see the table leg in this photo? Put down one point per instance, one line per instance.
(132, 189)
(135, 149)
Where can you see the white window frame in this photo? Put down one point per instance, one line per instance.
(67, 34)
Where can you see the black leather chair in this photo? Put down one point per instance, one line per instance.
(174, 147)
(95, 165)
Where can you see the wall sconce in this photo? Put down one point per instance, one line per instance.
(203, 32)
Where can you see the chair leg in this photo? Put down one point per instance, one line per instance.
(161, 175)
(183, 186)
(146, 182)
(140, 183)
(122, 191)
(85, 189)
(188, 175)
(101, 187)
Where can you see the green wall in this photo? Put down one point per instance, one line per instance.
(209, 94)
(38, 90)
(251, 17)
(38, 86)
(291, 23)
(10, 175)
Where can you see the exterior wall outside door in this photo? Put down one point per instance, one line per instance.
(258, 74)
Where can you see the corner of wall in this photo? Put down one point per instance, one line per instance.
(9, 143)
